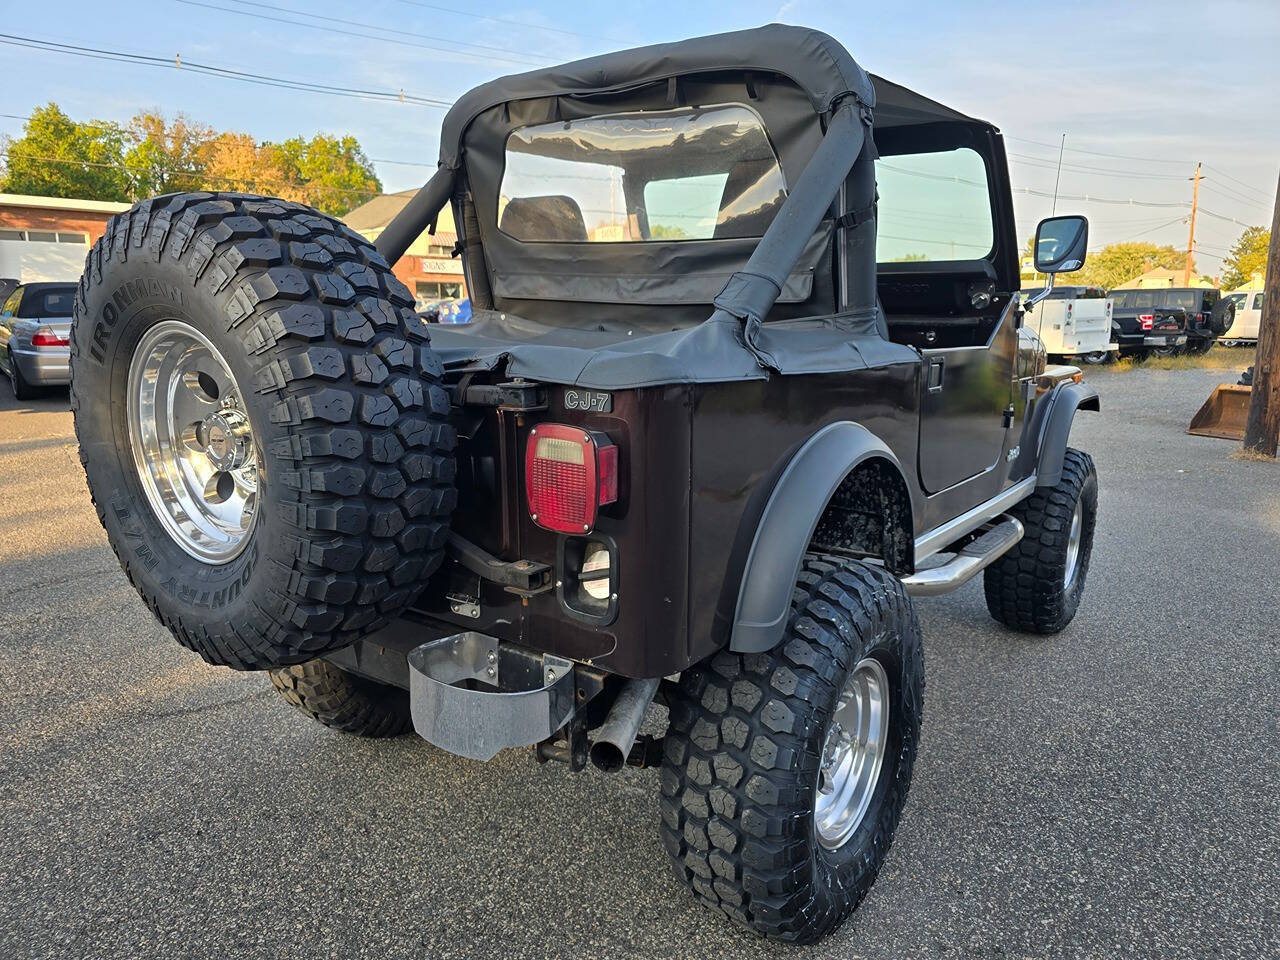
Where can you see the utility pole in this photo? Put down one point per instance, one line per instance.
(1263, 426)
(1191, 239)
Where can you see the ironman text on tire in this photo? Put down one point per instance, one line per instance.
(261, 424)
(785, 773)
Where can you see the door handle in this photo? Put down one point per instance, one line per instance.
(935, 375)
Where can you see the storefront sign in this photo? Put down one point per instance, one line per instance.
(440, 265)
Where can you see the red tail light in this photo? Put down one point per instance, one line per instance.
(568, 473)
(1145, 320)
(45, 337)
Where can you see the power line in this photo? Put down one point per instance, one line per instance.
(1238, 197)
(195, 174)
(305, 86)
(450, 45)
(1143, 233)
(512, 23)
(1096, 153)
(1047, 164)
(1223, 173)
(1228, 219)
(403, 163)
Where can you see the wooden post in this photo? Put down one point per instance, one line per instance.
(1263, 427)
(1191, 237)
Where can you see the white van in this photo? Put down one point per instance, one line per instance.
(1244, 328)
(1074, 323)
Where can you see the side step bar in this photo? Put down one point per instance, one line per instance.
(968, 562)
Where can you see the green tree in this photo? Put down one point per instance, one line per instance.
(58, 157)
(1118, 262)
(1248, 256)
(333, 172)
(167, 157)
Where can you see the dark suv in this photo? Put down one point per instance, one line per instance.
(1164, 321)
(717, 416)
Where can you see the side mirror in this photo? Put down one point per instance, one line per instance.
(1060, 244)
(1060, 247)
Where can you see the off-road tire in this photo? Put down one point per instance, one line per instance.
(348, 417)
(1026, 588)
(17, 382)
(344, 701)
(741, 757)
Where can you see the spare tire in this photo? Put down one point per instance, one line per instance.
(261, 424)
(1222, 317)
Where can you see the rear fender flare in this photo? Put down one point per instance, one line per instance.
(786, 528)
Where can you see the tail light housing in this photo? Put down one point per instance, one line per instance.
(1146, 320)
(568, 474)
(47, 337)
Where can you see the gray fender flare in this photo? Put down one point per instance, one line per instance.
(786, 527)
(1055, 428)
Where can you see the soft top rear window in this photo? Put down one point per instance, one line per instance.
(48, 303)
(694, 173)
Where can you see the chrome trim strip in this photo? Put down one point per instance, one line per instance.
(927, 544)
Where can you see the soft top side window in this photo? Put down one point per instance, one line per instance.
(933, 206)
(694, 173)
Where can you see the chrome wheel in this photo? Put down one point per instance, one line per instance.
(1073, 544)
(852, 754)
(192, 442)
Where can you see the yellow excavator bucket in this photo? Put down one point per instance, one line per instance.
(1224, 414)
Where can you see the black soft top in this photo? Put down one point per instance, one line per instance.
(671, 311)
(815, 62)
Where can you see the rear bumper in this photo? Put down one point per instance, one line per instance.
(44, 366)
(1132, 341)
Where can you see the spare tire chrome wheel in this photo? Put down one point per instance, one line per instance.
(262, 424)
(192, 441)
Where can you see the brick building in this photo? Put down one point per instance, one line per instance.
(46, 238)
(427, 268)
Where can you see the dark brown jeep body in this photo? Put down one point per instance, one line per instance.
(924, 356)
(745, 373)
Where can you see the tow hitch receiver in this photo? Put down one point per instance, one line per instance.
(473, 696)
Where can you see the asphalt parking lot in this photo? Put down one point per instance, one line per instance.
(1112, 791)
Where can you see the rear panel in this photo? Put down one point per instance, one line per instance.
(647, 530)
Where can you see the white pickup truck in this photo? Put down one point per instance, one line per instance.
(1074, 322)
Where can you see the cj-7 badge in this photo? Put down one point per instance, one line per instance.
(592, 401)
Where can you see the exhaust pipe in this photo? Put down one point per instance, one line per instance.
(618, 732)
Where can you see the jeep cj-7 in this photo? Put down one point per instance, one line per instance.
(744, 373)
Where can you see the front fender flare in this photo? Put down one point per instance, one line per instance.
(1050, 429)
(786, 528)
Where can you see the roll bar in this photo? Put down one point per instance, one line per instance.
(417, 215)
(751, 292)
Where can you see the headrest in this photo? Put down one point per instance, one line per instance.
(554, 217)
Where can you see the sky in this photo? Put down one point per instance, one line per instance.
(1142, 91)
